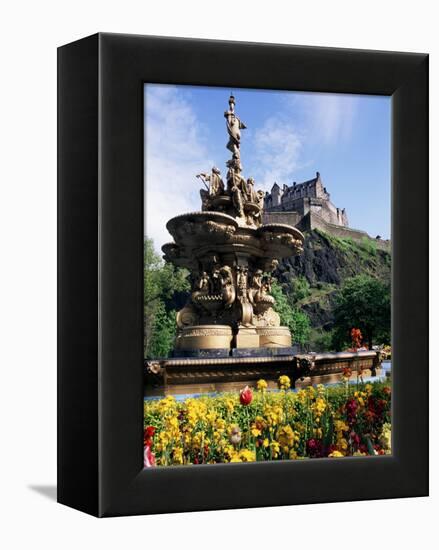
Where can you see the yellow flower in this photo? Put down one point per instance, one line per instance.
(285, 436)
(275, 448)
(172, 423)
(261, 385)
(220, 424)
(177, 455)
(386, 437)
(246, 455)
(335, 454)
(273, 414)
(229, 452)
(319, 406)
(301, 396)
(211, 417)
(235, 458)
(284, 382)
(340, 426)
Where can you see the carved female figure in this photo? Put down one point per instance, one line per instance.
(228, 288)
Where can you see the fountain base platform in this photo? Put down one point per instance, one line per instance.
(194, 375)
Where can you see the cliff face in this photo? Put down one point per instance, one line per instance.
(326, 262)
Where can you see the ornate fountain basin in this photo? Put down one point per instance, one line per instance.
(280, 240)
(197, 232)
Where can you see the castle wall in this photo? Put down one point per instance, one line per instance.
(287, 218)
(314, 221)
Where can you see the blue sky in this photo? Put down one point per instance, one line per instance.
(289, 136)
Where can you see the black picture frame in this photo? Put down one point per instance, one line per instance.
(100, 274)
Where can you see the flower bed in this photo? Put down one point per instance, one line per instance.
(316, 422)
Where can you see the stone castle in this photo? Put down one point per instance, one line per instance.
(308, 206)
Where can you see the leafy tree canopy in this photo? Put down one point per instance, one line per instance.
(363, 302)
(296, 320)
(160, 282)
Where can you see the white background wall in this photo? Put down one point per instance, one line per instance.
(30, 32)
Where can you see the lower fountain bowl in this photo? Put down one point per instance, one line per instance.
(199, 337)
(274, 337)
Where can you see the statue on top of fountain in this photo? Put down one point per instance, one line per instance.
(239, 197)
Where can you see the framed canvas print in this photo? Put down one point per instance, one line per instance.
(242, 260)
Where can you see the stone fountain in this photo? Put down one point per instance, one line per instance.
(230, 254)
(228, 332)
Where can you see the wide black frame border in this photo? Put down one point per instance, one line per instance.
(100, 285)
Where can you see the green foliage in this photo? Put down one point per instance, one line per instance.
(298, 289)
(320, 340)
(164, 326)
(363, 302)
(160, 282)
(365, 250)
(369, 245)
(297, 321)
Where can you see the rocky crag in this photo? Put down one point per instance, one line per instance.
(315, 276)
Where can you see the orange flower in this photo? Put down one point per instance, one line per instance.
(347, 372)
(356, 338)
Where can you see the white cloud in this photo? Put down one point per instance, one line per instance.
(278, 146)
(302, 122)
(327, 119)
(175, 152)
(333, 117)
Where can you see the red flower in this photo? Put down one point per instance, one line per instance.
(246, 396)
(314, 448)
(354, 438)
(148, 434)
(356, 338)
(149, 431)
(331, 449)
(351, 407)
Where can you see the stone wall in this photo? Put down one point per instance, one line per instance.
(287, 218)
(314, 221)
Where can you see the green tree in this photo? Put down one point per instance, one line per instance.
(297, 321)
(363, 302)
(160, 282)
(163, 331)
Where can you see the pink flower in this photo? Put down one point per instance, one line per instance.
(148, 457)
